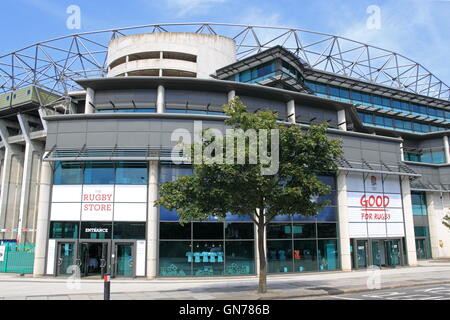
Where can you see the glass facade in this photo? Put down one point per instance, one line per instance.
(372, 100)
(371, 119)
(100, 172)
(419, 203)
(206, 249)
(435, 156)
(301, 247)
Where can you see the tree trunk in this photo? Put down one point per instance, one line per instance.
(262, 288)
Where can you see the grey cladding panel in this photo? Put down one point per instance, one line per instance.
(72, 126)
(133, 139)
(70, 140)
(134, 125)
(102, 125)
(101, 139)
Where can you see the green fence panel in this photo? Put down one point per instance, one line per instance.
(18, 258)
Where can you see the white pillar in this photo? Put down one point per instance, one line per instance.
(342, 122)
(290, 109)
(152, 220)
(45, 184)
(344, 237)
(89, 99)
(434, 213)
(410, 238)
(446, 149)
(10, 181)
(160, 100)
(402, 155)
(42, 114)
(30, 148)
(231, 95)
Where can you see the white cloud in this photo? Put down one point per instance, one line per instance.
(184, 7)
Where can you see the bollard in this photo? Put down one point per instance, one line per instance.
(107, 286)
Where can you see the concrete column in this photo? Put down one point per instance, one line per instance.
(45, 185)
(152, 220)
(344, 237)
(231, 95)
(89, 99)
(10, 183)
(410, 238)
(160, 100)
(30, 148)
(434, 213)
(290, 111)
(342, 121)
(446, 149)
(402, 155)
(42, 114)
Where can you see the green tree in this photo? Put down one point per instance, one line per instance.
(242, 189)
(446, 221)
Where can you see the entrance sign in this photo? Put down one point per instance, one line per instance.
(375, 206)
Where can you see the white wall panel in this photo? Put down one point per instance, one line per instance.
(377, 229)
(357, 230)
(395, 230)
(51, 255)
(140, 258)
(98, 193)
(65, 212)
(66, 193)
(130, 212)
(131, 193)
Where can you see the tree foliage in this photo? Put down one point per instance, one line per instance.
(241, 189)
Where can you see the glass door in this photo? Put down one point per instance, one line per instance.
(124, 260)
(421, 249)
(66, 258)
(378, 253)
(361, 253)
(393, 252)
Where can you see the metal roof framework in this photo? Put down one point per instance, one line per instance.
(55, 64)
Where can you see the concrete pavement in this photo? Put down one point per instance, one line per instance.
(240, 288)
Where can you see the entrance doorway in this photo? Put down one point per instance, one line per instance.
(93, 257)
(379, 252)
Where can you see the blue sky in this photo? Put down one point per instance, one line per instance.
(418, 29)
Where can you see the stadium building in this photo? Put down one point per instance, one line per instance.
(86, 123)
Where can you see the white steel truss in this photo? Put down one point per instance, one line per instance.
(54, 64)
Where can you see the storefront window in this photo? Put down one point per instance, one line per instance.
(68, 173)
(326, 230)
(239, 257)
(174, 230)
(129, 230)
(279, 231)
(64, 230)
(305, 258)
(419, 204)
(304, 230)
(327, 255)
(279, 256)
(99, 173)
(208, 230)
(208, 258)
(131, 173)
(239, 231)
(175, 258)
